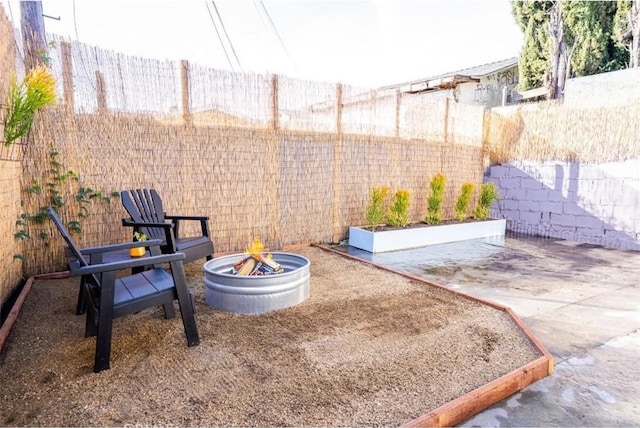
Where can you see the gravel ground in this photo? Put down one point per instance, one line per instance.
(368, 348)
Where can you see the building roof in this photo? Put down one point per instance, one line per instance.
(452, 79)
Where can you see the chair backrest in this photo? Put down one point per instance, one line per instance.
(145, 206)
(67, 237)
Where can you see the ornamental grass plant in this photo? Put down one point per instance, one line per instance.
(37, 89)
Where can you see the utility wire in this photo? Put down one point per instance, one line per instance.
(275, 31)
(226, 34)
(220, 38)
(224, 49)
(84, 67)
(75, 22)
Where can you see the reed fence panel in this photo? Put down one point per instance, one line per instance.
(282, 159)
(10, 169)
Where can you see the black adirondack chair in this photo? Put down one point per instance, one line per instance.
(109, 295)
(148, 217)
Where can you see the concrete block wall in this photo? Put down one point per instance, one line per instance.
(588, 203)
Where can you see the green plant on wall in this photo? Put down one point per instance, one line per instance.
(463, 201)
(53, 193)
(399, 210)
(435, 199)
(378, 206)
(36, 90)
(488, 195)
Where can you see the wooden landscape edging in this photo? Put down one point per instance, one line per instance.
(473, 402)
(11, 319)
(452, 413)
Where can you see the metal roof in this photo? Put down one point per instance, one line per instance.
(451, 79)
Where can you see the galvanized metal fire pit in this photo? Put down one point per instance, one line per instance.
(251, 295)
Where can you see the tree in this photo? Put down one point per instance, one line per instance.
(591, 29)
(627, 29)
(533, 65)
(560, 59)
(564, 39)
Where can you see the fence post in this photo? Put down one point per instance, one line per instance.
(339, 108)
(33, 34)
(275, 114)
(398, 99)
(446, 121)
(184, 78)
(337, 167)
(67, 78)
(102, 95)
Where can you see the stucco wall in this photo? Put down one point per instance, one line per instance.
(589, 203)
(614, 88)
(488, 91)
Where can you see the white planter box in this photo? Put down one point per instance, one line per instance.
(415, 237)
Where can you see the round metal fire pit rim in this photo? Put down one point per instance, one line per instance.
(250, 295)
(223, 265)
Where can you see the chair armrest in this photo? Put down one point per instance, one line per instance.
(185, 217)
(130, 223)
(175, 220)
(117, 247)
(169, 233)
(125, 264)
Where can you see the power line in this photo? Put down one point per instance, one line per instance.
(224, 30)
(275, 31)
(224, 49)
(225, 33)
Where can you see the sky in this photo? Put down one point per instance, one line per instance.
(362, 43)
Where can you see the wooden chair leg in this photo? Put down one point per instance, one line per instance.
(105, 323)
(103, 346)
(186, 304)
(90, 328)
(169, 311)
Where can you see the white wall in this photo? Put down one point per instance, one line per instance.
(613, 89)
(588, 203)
(488, 91)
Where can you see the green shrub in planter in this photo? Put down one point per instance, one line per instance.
(378, 207)
(462, 203)
(488, 195)
(434, 201)
(399, 211)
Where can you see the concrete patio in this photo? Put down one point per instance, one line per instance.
(581, 301)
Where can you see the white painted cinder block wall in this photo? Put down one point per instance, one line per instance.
(587, 203)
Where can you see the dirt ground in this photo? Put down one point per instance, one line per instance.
(368, 348)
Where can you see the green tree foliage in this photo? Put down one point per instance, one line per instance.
(591, 28)
(533, 19)
(592, 32)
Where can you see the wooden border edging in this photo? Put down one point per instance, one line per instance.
(11, 319)
(475, 401)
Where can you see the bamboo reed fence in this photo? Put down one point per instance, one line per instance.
(551, 131)
(10, 171)
(286, 160)
(282, 159)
